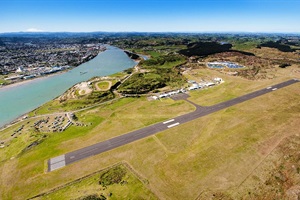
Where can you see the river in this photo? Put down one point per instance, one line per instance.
(22, 98)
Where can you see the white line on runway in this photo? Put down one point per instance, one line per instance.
(88, 151)
(274, 89)
(57, 159)
(269, 88)
(171, 120)
(170, 126)
(57, 162)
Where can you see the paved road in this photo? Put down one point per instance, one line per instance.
(61, 161)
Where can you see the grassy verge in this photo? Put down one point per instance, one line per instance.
(117, 182)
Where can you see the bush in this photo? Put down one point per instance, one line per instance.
(112, 176)
(205, 48)
(92, 197)
(284, 65)
(162, 72)
(277, 45)
(161, 60)
(128, 71)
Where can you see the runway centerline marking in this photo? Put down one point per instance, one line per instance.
(88, 151)
(269, 88)
(63, 160)
(172, 125)
(57, 159)
(171, 120)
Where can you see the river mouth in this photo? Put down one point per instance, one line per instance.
(17, 100)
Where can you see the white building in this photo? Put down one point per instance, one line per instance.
(20, 69)
(209, 84)
(220, 80)
(194, 86)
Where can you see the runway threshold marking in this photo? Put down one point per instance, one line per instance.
(57, 162)
(171, 120)
(172, 125)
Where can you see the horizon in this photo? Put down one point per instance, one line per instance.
(178, 16)
(145, 32)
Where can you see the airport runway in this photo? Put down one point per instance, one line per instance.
(63, 160)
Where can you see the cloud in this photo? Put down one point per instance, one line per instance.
(34, 30)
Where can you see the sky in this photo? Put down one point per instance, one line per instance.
(150, 15)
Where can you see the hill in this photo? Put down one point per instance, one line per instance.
(277, 45)
(204, 48)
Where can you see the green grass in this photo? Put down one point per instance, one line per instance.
(129, 187)
(172, 64)
(214, 153)
(17, 145)
(162, 73)
(49, 107)
(107, 121)
(118, 75)
(103, 85)
(232, 87)
(2, 81)
(54, 106)
(153, 54)
(244, 46)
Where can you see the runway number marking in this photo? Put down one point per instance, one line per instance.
(172, 125)
(171, 120)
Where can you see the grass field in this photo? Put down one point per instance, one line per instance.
(153, 54)
(232, 87)
(213, 157)
(103, 85)
(127, 186)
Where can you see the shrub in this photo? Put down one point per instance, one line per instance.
(112, 176)
(92, 197)
(284, 65)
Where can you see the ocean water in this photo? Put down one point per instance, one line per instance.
(18, 100)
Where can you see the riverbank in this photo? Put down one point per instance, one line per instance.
(10, 85)
(20, 98)
(24, 82)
